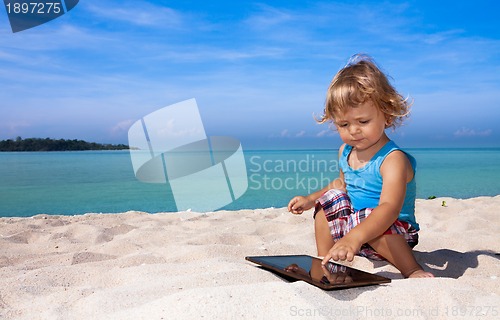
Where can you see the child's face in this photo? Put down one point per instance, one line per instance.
(361, 126)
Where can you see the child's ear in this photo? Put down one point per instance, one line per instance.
(388, 121)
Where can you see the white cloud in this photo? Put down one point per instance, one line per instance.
(300, 134)
(467, 132)
(144, 15)
(13, 128)
(122, 126)
(285, 133)
(325, 133)
(209, 53)
(269, 18)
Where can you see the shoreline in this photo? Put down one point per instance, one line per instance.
(77, 183)
(431, 198)
(136, 265)
(212, 212)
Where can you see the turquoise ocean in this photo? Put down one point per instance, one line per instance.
(69, 183)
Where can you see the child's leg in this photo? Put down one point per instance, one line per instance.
(330, 216)
(396, 250)
(324, 240)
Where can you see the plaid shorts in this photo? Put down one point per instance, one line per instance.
(342, 218)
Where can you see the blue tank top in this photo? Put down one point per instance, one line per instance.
(364, 185)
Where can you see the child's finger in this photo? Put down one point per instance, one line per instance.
(340, 254)
(297, 209)
(326, 259)
(291, 204)
(295, 206)
(350, 256)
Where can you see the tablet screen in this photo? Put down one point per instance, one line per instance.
(309, 269)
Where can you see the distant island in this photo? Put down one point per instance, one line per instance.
(47, 144)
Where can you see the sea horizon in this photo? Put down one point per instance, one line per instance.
(79, 182)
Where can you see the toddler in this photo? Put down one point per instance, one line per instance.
(370, 208)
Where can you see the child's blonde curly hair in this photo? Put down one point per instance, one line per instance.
(359, 81)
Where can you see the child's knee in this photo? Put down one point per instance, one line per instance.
(320, 217)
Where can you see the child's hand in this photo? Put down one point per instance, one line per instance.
(342, 250)
(300, 204)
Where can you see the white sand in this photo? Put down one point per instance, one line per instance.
(190, 266)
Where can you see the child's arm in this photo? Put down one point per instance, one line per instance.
(396, 171)
(300, 204)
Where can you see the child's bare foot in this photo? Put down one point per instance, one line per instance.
(421, 274)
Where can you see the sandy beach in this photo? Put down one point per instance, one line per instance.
(189, 265)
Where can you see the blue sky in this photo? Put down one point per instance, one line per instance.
(258, 70)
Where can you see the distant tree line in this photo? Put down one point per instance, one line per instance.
(47, 144)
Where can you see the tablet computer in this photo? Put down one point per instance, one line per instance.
(332, 276)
